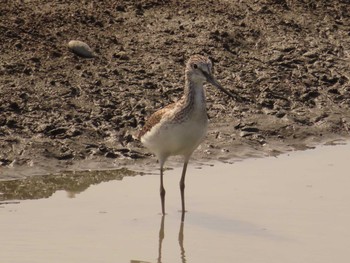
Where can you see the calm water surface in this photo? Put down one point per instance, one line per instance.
(294, 208)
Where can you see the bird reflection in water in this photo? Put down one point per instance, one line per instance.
(161, 238)
(181, 242)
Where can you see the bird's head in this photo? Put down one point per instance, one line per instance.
(199, 70)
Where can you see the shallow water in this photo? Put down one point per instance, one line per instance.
(294, 208)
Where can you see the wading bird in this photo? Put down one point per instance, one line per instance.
(179, 128)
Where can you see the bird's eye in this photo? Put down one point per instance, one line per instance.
(195, 66)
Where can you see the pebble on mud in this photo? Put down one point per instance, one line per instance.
(81, 49)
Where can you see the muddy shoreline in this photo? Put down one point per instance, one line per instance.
(289, 61)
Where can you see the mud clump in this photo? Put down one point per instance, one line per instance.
(80, 48)
(288, 61)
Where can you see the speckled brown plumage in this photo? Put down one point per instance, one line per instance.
(154, 119)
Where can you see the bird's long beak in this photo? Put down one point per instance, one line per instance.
(213, 81)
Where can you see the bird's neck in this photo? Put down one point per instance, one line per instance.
(194, 93)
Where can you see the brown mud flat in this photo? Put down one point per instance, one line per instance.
(289, 62)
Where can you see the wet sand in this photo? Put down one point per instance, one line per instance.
(288, 62)
(293, 208)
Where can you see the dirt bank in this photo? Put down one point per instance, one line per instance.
(288, 60)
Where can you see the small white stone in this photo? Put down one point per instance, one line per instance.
(80, 48)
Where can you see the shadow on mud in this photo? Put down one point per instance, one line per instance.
(37, 187)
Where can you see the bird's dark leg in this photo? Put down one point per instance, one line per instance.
(162, 190)
(182, 185)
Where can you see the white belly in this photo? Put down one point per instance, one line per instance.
(166, 139)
